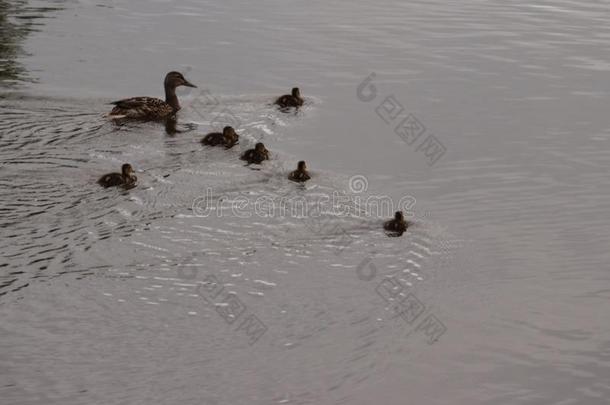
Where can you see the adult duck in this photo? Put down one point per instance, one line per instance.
(150, 108)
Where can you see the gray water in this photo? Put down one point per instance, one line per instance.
(105, 294)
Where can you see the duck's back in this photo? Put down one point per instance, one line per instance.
(141, 107)
(289, 100)
(299, 176)
(395, 226)
(111, 180)
(253, 156)
(248, 155)
(213, 139)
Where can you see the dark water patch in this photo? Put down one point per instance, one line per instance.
(17, 20)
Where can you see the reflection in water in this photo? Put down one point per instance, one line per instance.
(172, 127)
(17, 20)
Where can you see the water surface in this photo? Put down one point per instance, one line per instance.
(101, 290)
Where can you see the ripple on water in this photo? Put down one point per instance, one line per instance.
(149, 246)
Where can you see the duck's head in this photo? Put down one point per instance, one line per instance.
(228, 132)
(260, 147)
(127, 170)
(296, 92)
(175, 79)
(301, 166)
(398, 216)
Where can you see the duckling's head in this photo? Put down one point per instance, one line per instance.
(302, 166)
(127, 170)
(296, 92)
(398, 216)
(259, 147)
(175, 79)
(228, 132)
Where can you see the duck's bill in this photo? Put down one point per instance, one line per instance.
(189, 84)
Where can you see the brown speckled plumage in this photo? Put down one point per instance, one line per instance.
(142, 108)
(150, 108)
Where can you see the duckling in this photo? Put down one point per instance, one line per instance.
(300, 174)
(290, 100)
(126, 178)
(228, 138)
(397, 225)
(256, 155)
(150, 108)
